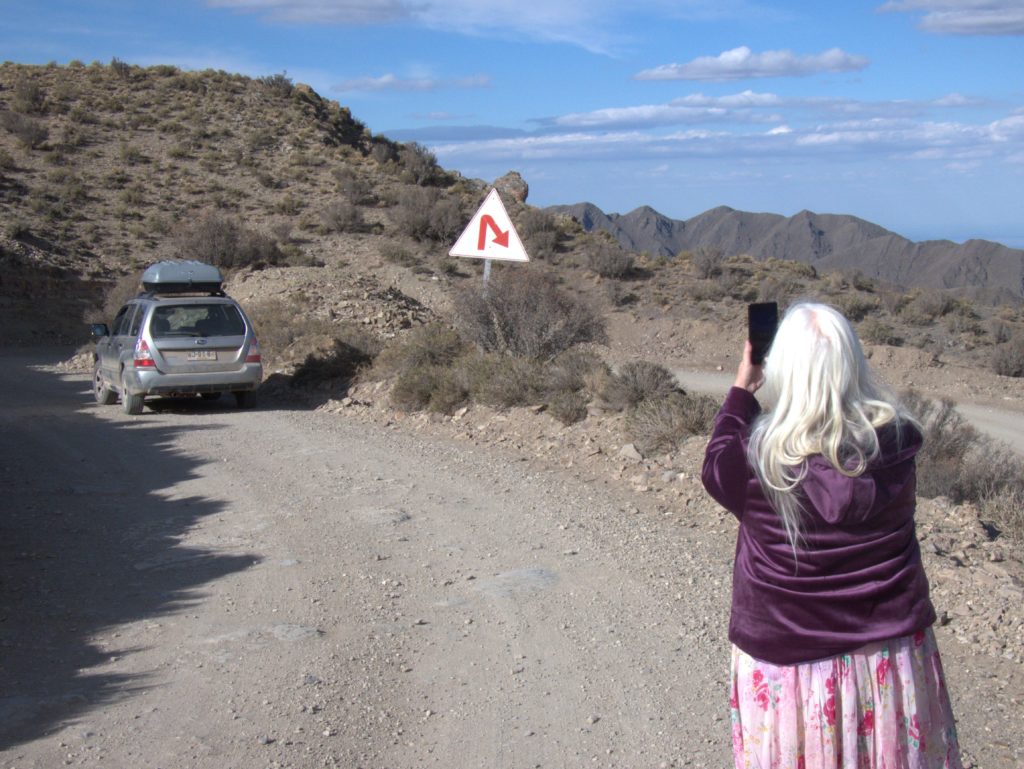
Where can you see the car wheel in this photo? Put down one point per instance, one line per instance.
(100, 390)
(132, 404)
(243, 399)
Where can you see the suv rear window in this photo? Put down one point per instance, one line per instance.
(170, 320)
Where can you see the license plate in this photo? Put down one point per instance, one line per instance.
(202, 355)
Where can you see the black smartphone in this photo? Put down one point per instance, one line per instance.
(762, 320)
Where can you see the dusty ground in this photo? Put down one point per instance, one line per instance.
(203, 587)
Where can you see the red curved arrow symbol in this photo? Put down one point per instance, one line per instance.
(501, 238)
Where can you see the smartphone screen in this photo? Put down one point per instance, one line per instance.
(762, 320)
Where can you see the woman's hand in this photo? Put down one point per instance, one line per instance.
(750, 376)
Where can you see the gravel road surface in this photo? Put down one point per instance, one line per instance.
(205, 588)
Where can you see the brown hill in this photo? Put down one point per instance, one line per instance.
(980, 269)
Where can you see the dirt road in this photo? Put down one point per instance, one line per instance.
(200, 587)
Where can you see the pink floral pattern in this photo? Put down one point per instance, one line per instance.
(884, 705)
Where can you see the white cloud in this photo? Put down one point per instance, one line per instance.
(644, 115)
(742, 63)
(391, 82)
(744, 99)
(592, 24)
(965, 17)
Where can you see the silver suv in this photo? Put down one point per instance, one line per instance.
(181, 337)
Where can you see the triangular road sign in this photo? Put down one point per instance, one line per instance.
(490, 234)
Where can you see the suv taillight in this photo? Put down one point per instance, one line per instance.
(143, 358)
(254, 353)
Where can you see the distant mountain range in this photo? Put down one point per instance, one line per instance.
(981, 269)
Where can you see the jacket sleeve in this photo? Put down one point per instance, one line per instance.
(726, 472)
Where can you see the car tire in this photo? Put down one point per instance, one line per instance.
(132, 404)
(244, 399)
(100, 389)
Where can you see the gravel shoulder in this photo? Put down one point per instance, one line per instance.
(205, 587)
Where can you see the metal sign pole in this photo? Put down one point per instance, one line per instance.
(487, 271)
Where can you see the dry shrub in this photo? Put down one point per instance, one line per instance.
(875, 331)
(539, 232)
(638, 381)
(928, 305)
(434, 344)
(572, 371)
(502, 381)
(855, 307)
(967, 466)
(224, 242)
(569, 407)
(524, 314)
(283, 327)
(609, 260)
(707, 261)
(419, 165)
(1008, 358)
(432, 387)
(338, 367)
(1005, 509)
(427, 214)
(657, 425)
(342, 216)
(30, 132)
(124, 288)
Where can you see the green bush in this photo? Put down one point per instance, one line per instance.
(521, 312)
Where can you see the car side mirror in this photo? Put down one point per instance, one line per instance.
(99, 329)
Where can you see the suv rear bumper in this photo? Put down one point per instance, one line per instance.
(153, 382)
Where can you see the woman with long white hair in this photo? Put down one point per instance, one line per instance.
(834, 664)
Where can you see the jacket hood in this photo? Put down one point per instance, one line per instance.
(839, 498)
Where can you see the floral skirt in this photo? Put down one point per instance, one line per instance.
(883, 706)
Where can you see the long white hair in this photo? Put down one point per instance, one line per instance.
(820, 398)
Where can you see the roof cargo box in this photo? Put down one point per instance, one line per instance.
(181, 277)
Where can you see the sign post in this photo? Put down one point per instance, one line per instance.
(490, 235)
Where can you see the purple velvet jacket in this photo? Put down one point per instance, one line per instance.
(858, 577)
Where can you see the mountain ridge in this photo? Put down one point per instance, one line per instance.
(981, 269)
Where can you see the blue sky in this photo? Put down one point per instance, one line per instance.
(908, 113)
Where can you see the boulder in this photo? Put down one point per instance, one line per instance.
(513, 185)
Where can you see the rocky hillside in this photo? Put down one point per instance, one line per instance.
(978, 268)
(320, 224)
